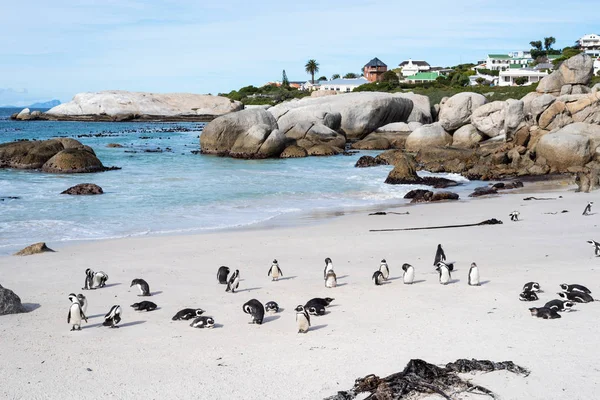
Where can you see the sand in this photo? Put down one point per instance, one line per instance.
(368, 330)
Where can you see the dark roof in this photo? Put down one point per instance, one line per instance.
(376, 62)
(419, 63)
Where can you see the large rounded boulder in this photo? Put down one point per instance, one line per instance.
(563, 150)
(457, 110)
(489, 118)
(427, 136)
(308, 134)
(73, 161)
(466, 137)
(28, 154)
(577, 70)
(10, 303)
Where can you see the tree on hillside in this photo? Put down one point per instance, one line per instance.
(536, 44)
(480, 80)
(350, 75)
(390, 77)
(335, 76)
(312, 67)
(322, 78)
(284, 80)
(521, 80)
(548, 42)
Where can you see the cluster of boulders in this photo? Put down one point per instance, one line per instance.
(60, 155)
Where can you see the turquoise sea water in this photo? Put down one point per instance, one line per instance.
(173, 191)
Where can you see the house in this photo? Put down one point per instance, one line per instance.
(309, 86)
(411, 67)
(509, 76)
(421, 77)
(374, 69)
(501, 62)
(343, 85)
(489, 79)
(590, 44)
(596, 66)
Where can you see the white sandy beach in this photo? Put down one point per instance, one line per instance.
(368, 330)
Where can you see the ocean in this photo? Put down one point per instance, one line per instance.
(165, 188)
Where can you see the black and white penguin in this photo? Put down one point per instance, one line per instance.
(409, 274)
(328, 267)
(142, 285)
(532, 287)
(378, 278)
(577, 297)
(144, 306)
(203, 323)
(302, 319)
(474, 275)
(588, 208)
(528, 295)
(439, 255)
(76, 313)
(444, 272)
(384, 269)
(256, 310)
(319, 302)
(575, 287)
(83, 301)
(514, 216)
(94, 280)
(233, 282)
(315, 309)
(113, 317)
(596, 247)
(560, 305)
(222, 274)
(100, 279)
(543, 312)
(271, 307)
(89, 280)
(187, 314)
(331, 279)
(274, 271)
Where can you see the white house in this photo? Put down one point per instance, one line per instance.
(596, 66)
(509, 76)
(590, 44)
(343, 85)
(410, 67)
(501, 62)
(492, 80)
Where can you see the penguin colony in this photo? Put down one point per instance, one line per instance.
(570, 294)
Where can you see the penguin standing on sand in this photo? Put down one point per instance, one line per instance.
(514, 216)
(444, 272)
(302, 319)
(331, 279)
(142, 285)
(234, 281)
(409, 274)
(274, 271)
(384, 269)
(596, 247)
(588, 208)
(328, 267)
(100, 279)
(113, 317)
(83, 301)
(256, 310)
(439, 255)
(89, 280)
(188, 313)
(378, 278)
(76, 313)
(222, 275)
(474, 275)
(94, 280)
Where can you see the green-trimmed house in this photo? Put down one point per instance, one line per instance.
(502, 62)
(422, 77)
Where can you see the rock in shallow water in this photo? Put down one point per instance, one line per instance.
(368, 161)
(10, 303)
(84, 189)
(34, 249)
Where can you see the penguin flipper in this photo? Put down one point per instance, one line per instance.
(280, 273)
(69, 317)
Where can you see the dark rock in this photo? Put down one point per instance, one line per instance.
(294, 151)
(439, 196)
(393, 157)
(70, 161)
(438, 183)
(368, 161)
(323, 150)
(34, 249)
(114, 145)
(10, 303)
(84, 189)
(483, 191)
(419, 195)
(9, 198)
(28, 154)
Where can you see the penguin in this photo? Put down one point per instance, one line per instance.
(545, 313)
(89, 280)
(315, 309)
(444, 272)
(439, 255)
(222, 275)
(575, 287)
(203, 322)
(302, 319)
(256, 310)
(474, 275)
(560, 305)
(113, 317)
(271, 307)
(76, 313)
(577, 297)
(378, 278)
(100, 279)
(142, 286)
(514, 216)
(234, 281)
(596, 247)
(331, 280)
(319, 302)
(384, 269)
(328, 267)
(83, 301)
(588, 209)
(274, 271)
(188, 313)
(144, 306)
(409, 274)
(532, 287)
(528, 295)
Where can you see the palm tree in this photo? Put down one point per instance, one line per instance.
(548, 42)
(335, 76)
(312, 67)
(536, 44)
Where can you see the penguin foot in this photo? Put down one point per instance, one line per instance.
(72, 329)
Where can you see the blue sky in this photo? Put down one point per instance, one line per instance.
(54, 49)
